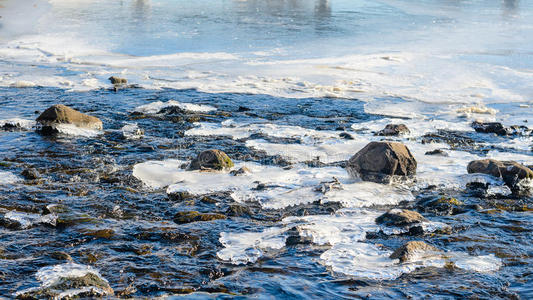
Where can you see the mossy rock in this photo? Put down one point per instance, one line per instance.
(194, 216)
(210, 160)
(92, 285)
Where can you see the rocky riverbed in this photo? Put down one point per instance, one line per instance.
(302, 197)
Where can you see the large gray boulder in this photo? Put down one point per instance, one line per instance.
(379, 161)
(61, 114)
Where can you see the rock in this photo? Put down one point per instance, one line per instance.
(511, 172)
(60, 255)
(118, 80)
(378, 161)
(326, 186)
(240, 171)
(194, 216)
(31, 174)
(441, 206)
(346, 136)
(101, 233)
(236, 210)
(491, 127)
(211, 160)
(437, 152)
(394, 130)
(296, 238)
(399, 218)
(87, 286)
(61, 114)
(412, 250)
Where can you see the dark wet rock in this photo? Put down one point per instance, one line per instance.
(100, 233)
(438, 152)
(61, 114)
(491, 127)
(346, 136)
(237, 210)
(211, 160)
(294, 237)
(9, 224)
(89, 285)
(31, 174)
(400, 218)
(378, 161)
(441, 206)
(180, 196)
(118, 80)
(327, 186)
(511, 172)
(413, 249)
(194, 216)
(60, 255)
(243, 109)
(394, 130)
(455, 139)
(240, 171)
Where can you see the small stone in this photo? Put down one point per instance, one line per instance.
(437, 152)
(400, 217)
(412, 250)
(346, 136)
(211, 160)
(101, 233)
(394, 130)
(117, 80)
(31, 174)
(236, 210)
(60, 255)
(194, 216)
(240, 171)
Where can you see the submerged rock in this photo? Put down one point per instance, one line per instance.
(441, 206)
(412, 250)
(394, 130)
(511, 172)
(378, 161)
(194, 216)
(31, 174)
(399, 218)
(438, 152)
(240, 171)
(68, 281)
(346, 136)
(60, 114)
(211, 160)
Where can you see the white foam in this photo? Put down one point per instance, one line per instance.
(17, 122)
(8, 178)
(73, 130)
(132, 131)
(155, 107)
(26, 220)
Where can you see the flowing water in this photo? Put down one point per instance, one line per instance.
(290, 89)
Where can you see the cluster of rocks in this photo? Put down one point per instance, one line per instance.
(499, 129)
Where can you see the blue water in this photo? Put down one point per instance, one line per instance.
(304, 72)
